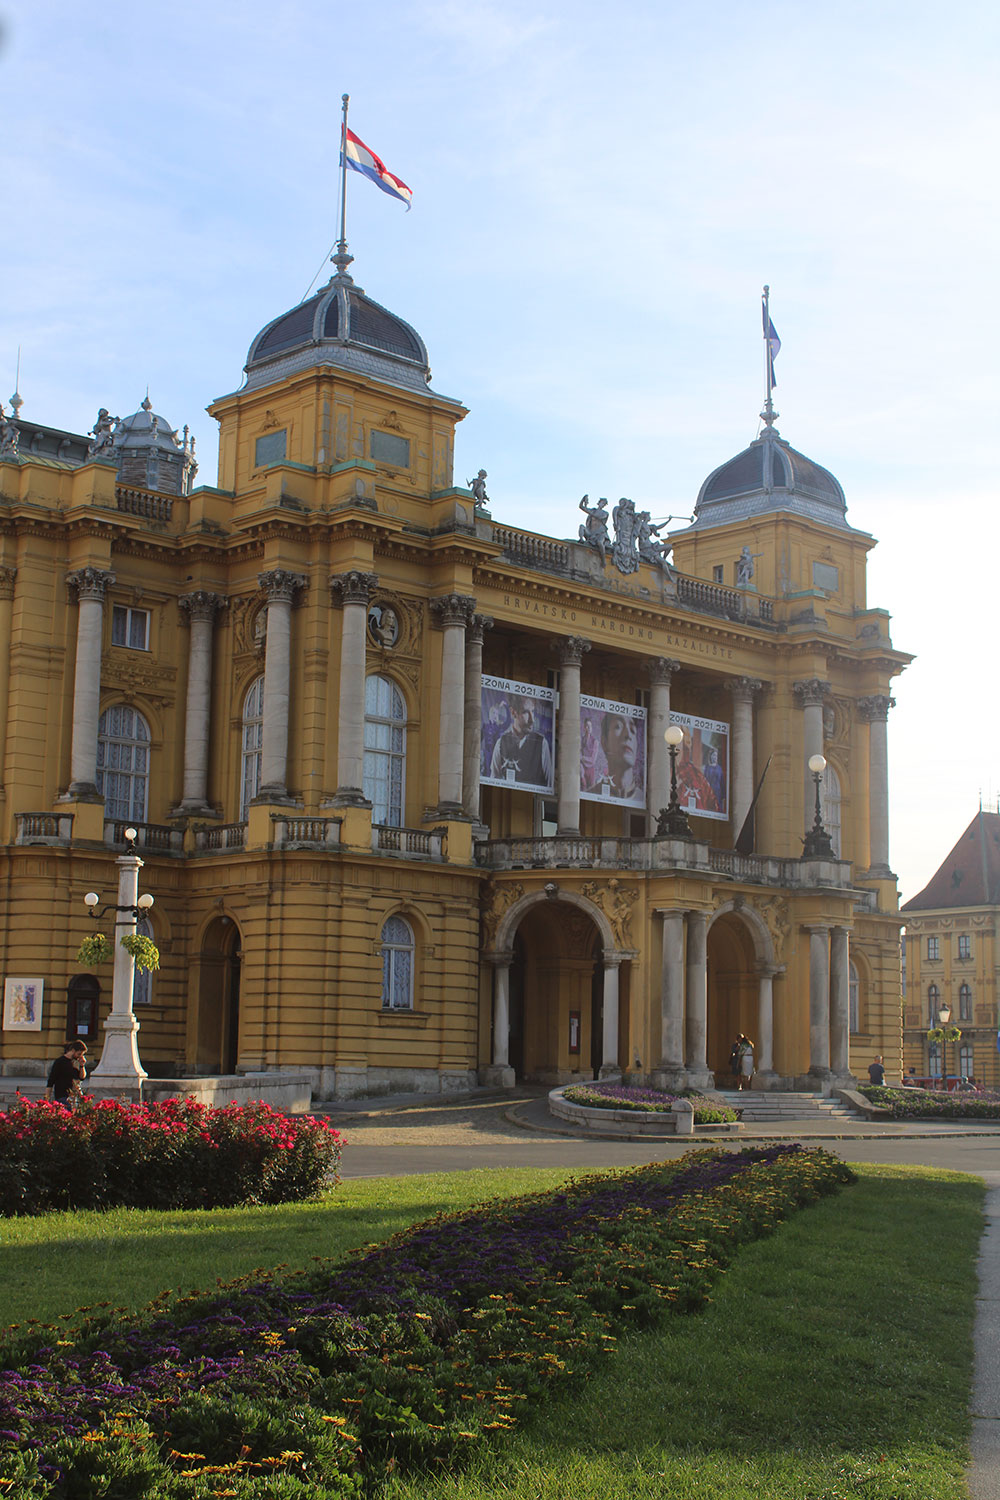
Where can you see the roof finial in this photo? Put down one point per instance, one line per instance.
(772, 344)
(145, 403)
(343, 259)
(15, 401)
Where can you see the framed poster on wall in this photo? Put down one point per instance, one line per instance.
(22, 1004)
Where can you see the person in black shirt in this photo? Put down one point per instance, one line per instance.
(876, 1072)
(67, 1073)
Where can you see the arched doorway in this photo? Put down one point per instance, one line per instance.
(83, 1000)
(217, 1032)
(732, 991)
(556, 978)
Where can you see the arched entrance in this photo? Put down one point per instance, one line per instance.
(217, 1031)
(739, 951)
(553, 957)
(83, 1000)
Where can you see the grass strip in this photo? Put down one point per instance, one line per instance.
(833, 1361)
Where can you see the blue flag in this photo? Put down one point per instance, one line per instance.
(773, 345)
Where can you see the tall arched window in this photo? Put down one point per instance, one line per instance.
(965, 1002)
(831, 807)
(934, 1059)
(933, 1003)
(253, 739)
(123, 763)
(142, 988)
(965, 1060)
(853, 998)
(397, 964)
(385, 751)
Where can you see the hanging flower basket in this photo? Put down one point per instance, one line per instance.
(94, 950)
(144, 952)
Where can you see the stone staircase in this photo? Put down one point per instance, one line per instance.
(762, 1107)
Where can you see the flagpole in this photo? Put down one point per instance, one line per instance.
(769, 413)
(342, 260)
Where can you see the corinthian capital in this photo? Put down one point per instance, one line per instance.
(743, 689)
(661, 669)
(875, 707)
(453, 609)
(280, 585)
(90, 583)
(202, 605)
(811, 691)
(477, 628)
(571, 649)
(354, 587)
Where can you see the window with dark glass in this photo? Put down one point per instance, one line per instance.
(123, 763)
(964, 945)
(385, 751)
(965, 1002)
(252, 744)
(397, 964)
(130, 627)
(933, 947)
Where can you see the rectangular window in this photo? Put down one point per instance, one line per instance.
(933, 947)
(964, 946)
(387, 448)
(719, 573)
(130, 627)
(270, 449)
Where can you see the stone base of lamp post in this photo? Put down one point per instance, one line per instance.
(119, 1069)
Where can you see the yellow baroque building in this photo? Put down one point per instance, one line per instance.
(397, 767)
(953, 960)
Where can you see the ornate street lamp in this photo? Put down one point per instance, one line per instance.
(817, 843)
(119, 1067)
(944, 1034)
(672, 822)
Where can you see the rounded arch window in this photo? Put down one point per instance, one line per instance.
(385, 751)
(965, 1002)
(398, 948)
(252, 744)
(831, 807)
(854, 997)
(123, 763)
(933, 1002)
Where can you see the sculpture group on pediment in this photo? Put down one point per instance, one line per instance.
(636, 535)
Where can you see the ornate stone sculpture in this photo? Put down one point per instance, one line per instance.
(594, 530)
(650, 549)
(103, 434)
(478, 488)
(9, 436)
(625, 553)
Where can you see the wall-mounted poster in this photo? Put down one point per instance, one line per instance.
(517, 747)
(612, 752)
(703, 766)
(22, 1004)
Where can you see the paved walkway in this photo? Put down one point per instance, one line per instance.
(405, 1136)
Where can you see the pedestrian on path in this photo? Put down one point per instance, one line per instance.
(67, 1073)
(876, 1072)
(745, 1046)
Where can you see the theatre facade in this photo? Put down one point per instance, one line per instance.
(396, 767)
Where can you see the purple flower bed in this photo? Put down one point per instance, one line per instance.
(409, 1354)
(647, 1101)
(920, 1104)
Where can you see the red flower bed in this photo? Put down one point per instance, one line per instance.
(174, 1154)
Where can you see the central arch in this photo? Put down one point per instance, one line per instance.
(740, 950)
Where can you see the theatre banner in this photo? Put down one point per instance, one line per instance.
(703, 766)
(517, 744)
(612, 752)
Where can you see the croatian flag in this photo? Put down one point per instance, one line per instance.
(772, 340)
(363, 159)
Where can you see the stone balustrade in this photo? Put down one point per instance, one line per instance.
(217, 840)
(153, 838)
(43, 828)
(305, 833)
(414, 843)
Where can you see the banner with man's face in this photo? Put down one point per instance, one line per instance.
(517, 735)
(612, 752)
(703, 766)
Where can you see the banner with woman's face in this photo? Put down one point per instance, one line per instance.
(703, 766)
(612, 752)
(517, 735)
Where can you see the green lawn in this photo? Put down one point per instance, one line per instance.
(834, 1360)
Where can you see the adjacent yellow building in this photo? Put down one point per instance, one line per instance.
(396, 766)
(953, 961)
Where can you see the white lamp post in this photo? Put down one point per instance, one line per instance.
(119, 1067)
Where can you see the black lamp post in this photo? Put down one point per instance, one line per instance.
(673, 821)
(944, 1034)
(817, 843)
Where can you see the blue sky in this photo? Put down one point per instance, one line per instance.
(599, 194)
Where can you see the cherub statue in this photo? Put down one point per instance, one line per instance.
(478, 488)
(103, 433)
(594, 530)
(9, 436)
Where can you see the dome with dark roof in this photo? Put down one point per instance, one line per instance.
(150, 455)
(770, 475)
(339, 326)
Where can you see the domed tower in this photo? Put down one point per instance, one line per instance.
(150, 455)
(338, 382)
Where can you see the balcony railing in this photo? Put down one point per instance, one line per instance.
(141, 503)
(653, 854)
(414, 843)
(217, 840)
(43, 828)
(155, 838)
(305, 833)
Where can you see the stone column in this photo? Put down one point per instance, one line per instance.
(697, 999)
(670, 1073)
(281, 588)
(819, 1002)
(568, 739)
(840, 1003)
(500, 1074)
(765, 1021)
(7, 577)
(91, 585)
(742, 690)
(453, 612)
(202, 606)
(661, 669)
(610, 1067)
(353, 589)
(875, 710)
(811, 697)
(472, 739)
